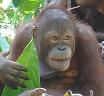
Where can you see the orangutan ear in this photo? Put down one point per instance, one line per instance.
(34, 29)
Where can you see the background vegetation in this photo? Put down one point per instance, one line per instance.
(12, 12)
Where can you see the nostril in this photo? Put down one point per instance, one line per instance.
(61, 48)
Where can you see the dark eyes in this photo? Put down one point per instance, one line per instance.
(54, 37)
(67, 37)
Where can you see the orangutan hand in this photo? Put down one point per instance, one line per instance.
(11, 73)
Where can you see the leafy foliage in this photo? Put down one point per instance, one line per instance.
(30, 60)
(4, 45)
(28, 6)
(17, 3)
(18, 10)
(23, 10)
(0, 1)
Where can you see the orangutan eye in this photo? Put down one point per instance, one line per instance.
(54, 38)
(67, 37)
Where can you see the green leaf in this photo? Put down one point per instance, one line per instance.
(14, 19)
(1, 1)
(4, 45)
(29, 59)
(26, 5)
(42, 2)
(27, 18)
(17, 3)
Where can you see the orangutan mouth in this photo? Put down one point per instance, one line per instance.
(61, 60)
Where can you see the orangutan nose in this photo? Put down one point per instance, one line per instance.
(61, 47)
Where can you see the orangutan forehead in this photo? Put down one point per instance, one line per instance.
(55, 14)
(55, 18)
(58, 24)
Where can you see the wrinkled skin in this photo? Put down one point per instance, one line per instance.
(10, 72)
